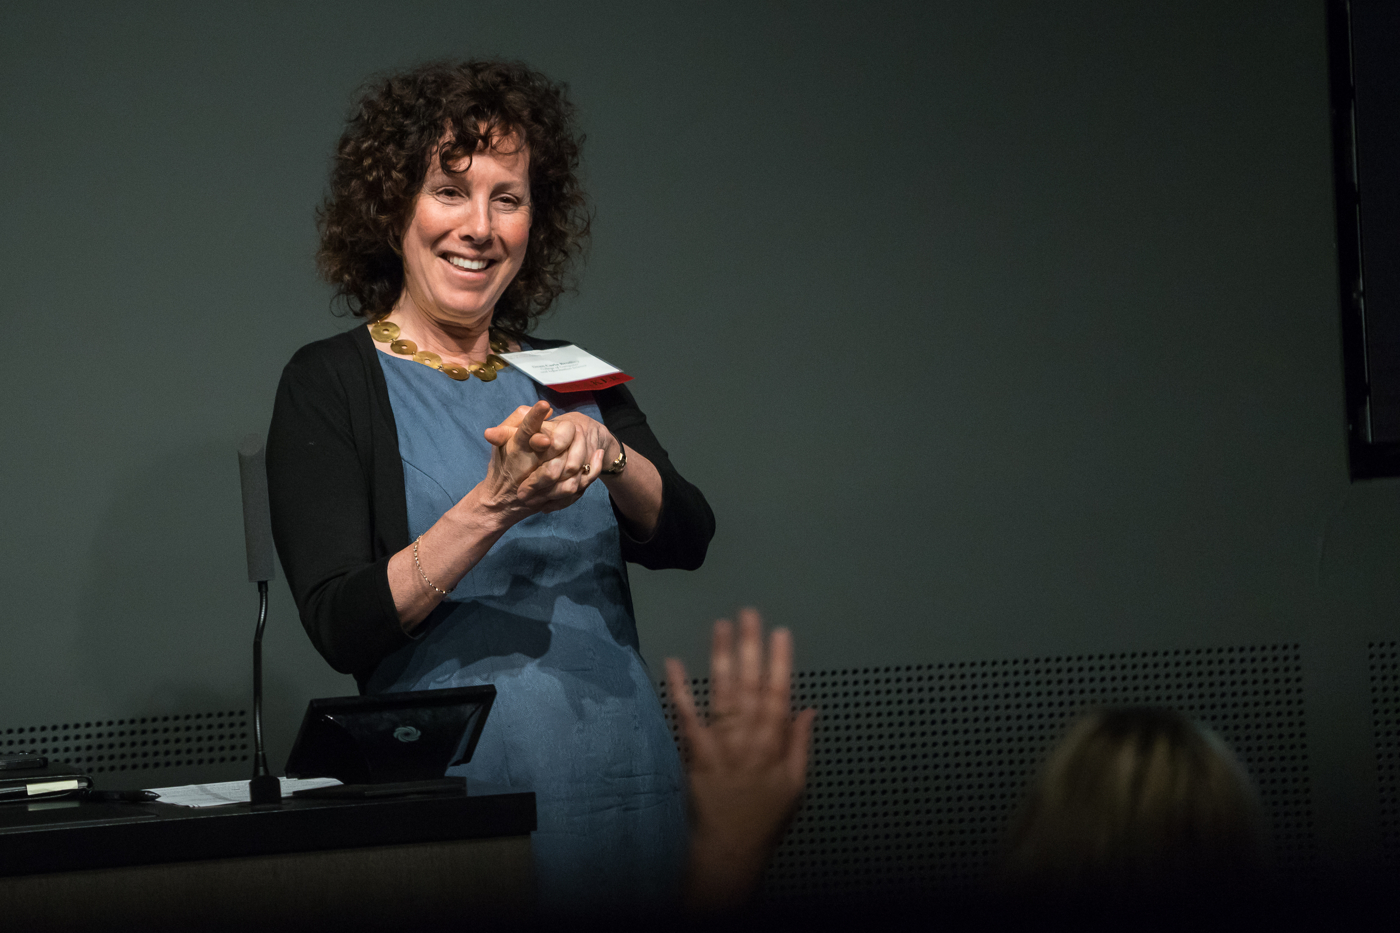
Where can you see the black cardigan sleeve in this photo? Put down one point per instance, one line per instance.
(686, 524)
(328, 519)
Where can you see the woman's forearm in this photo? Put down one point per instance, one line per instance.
(446, 553)
(636, 494)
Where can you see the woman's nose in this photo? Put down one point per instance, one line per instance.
(475, 224)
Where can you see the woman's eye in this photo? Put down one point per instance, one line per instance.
(508, 203)
(447, 194)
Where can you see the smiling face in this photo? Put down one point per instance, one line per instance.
(467, 235)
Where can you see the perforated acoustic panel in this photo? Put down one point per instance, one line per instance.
(916, 769)
(1385, 708)
(144, 750)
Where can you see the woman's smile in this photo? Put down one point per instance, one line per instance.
(470, 265)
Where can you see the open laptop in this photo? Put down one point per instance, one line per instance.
(390, 743)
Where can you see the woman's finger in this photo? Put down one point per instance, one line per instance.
(541, 481)
(542, 441)
(577, 454)
(535, 416)
(567, 488)
(562, 434)
(501, 434)
(550, 486)
(595, 469)
(531, 424)
(550, 473)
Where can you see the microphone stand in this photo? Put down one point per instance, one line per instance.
(264, 790)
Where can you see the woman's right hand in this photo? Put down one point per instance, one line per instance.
(534, 467)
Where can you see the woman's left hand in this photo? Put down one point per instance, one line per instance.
(589, 436)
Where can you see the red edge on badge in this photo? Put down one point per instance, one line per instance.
(594, 384)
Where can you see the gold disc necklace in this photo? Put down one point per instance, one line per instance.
(388, 332)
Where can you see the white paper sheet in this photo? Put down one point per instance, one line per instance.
(227, 792)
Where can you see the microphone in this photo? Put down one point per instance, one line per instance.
(257, 520)
(264, 789)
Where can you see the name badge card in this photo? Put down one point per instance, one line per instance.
(567, 369)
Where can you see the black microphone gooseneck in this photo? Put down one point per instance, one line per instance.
(264, 789)
(259, 756)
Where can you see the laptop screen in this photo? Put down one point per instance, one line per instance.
(411, 736)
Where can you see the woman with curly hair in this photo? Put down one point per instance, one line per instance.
(439, 515)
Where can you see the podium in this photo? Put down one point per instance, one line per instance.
(446, 861)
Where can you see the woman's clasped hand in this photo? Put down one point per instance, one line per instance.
(540, 465)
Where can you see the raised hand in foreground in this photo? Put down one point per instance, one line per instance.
(748, 766)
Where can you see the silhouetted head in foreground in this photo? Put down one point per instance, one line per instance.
(1136, 803)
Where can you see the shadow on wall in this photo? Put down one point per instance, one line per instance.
(166, 616)
(1358, 555)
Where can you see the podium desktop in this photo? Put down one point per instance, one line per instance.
(309, 864)
(401, 845)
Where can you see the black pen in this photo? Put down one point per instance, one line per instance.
(121, 796)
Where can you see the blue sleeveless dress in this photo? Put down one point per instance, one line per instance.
(547, 617)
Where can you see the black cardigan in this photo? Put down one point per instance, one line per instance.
(339, 510)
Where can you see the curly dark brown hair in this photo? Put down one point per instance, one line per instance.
(382, 159)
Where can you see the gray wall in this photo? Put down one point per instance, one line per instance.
(989, 329)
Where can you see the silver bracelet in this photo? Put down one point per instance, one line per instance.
(431, 584)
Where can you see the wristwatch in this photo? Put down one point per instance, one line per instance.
(617, 466)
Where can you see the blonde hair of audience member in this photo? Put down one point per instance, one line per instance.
(1136, 801)
(748, 765)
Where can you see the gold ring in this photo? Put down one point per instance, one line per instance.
(587, 468)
